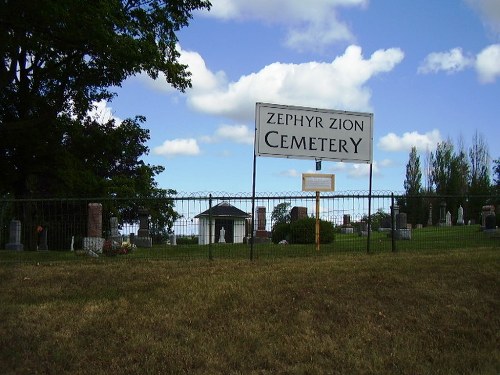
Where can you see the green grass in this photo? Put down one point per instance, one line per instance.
(423, 240)
(433, 312)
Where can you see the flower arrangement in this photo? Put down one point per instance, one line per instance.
(111, 248)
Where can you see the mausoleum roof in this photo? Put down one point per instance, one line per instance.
(224, 209)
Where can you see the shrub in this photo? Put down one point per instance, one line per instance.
(187, 240)
(281, 231)
(303, 231)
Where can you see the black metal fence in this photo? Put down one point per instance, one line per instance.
(220, 225)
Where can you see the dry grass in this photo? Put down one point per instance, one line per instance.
(387, 313)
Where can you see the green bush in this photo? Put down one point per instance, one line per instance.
(187, 240)
(281, 231)
(303, 231)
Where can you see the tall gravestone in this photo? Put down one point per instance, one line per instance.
(460, 216)
(402, 230)
(429, 219)
(14, 236)
(261, 222)
(442, 213)
(448, 219)
(115, 236)
(143, 238)
(94, 241)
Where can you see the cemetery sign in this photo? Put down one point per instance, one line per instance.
(311, 133)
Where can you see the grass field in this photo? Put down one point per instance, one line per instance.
(409, 312)
(428, 239)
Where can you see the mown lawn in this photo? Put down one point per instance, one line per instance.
(409, 312)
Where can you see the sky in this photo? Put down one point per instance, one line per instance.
(428, 70)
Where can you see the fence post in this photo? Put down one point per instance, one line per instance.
(393, 231)
(210, 256)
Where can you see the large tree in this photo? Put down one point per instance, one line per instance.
(60, 56)
(412, 203)
(479, 179)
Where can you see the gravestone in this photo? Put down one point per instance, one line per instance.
(447, 222)
(173, 239)
(429, 219)
(363, 229)
(143, 238)
(486, 211)
(261, 222)
(94, 241)
(385, 224)
(115, 236)
(490, 223)
(402, 230)
(460, 216)
(14, 236)
(394, 215)
(346, 225)
(298, 213)
(442, 213)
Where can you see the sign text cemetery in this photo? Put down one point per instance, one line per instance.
(310, 133)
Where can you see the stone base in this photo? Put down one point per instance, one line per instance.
(347, 230)
(261, 233)
(403, 234)
(14, 246)
(93, 244)
(143, 242)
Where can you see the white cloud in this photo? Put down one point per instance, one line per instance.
(102, 113)
(339, 84)
(451, 62)
(202, 79)
(489, 11)
(175, 147)
(362, 170)
(488, 64)
(290, 173)
(310, 24)
(393, 142)
(236, 133)
(233, 133)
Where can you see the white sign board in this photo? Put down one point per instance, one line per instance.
(318, 182)
(311, 133)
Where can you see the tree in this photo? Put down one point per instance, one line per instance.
(60, 56)
(412, 203)
(479, 180)
(281, 214)
(496, 173)
(442, 163)
(413, 181)
(449, 175)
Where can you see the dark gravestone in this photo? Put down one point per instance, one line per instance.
(490, 223)
(402, 231)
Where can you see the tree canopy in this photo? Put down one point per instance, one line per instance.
(58, 58)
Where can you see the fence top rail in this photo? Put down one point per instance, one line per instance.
(220, 196)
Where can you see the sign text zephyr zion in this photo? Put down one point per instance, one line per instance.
(310, 133)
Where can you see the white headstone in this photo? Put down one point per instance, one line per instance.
(460, 216)
(448, 218)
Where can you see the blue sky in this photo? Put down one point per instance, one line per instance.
(428, 70)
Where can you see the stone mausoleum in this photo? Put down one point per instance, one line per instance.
(226, 220)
